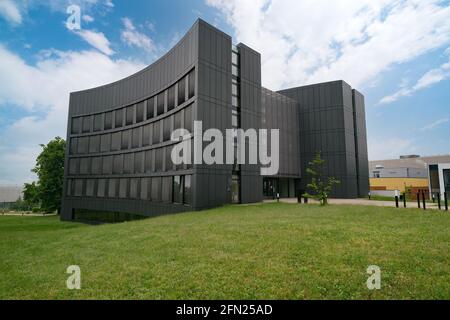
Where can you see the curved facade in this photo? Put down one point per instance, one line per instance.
(118, 163)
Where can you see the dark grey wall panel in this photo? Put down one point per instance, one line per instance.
(362, 161)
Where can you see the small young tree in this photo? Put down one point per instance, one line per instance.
(31, 194)
(320, 186)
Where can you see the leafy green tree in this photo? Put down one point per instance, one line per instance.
(50, 171)
(31, 194)
(320, 186)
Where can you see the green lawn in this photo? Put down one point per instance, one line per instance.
(265, 251)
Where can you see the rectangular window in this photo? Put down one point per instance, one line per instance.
(234, 71)
(160, 104)
(167, 128)
(101, 188)
(112, 188)
(182, 91)
(97, 165)
(107, 164)
(98, 122)
(177, 121)
(187, 189)
(191, 88)
(105, 142)
(94, 144)
(118, 164)
(136, 138)
(123, 188)
(69, 187)
(90, 184)
(234, 58)
(169, 163)
(78, 190)
(234, 102)
(159, 155)
(119, 118)
(139, 162)
(128, 163)
(140, 112)
(171, 98)
(145, 189)
(166, 189)
(73, 145)
(85, 166)
(130, 115)
(74, 165)
(234, 87)
(188, 118)
(76, 124)
(108, 120)
(178, 186)
(126, 139)
(87, 121)
(156, 189)
(150, 108)
(116, 140)
(156, 132)
(149, 161)
(146, 135)
(134, 183)
(83, 145)
(234, 119)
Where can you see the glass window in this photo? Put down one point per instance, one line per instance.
(107, 164)
(128, 163)
(123, 188)
(188, 118)
(134, 188)
(140, 112)
(146, 135)
(171, 98)
(78, 189)
(112, 188)
(182, 91)
(234, 102)
(97, 165)
(117, 164)
(234, 71)
(156, 189)
(83, 144)
(234, 119)
(90, 183)
(149, 161)
(130, 115)
(105, 142)
(69, 187)
(234, 58)
(116, 141)
(136, 138)
(191, 88)
(119, 118)
(234, 89)
(167, 189)
(139, 162)
(87, 121)
(94, 144)
(76, 124)
(167, 128)
(150, 108)
(85, 164)
(177, 121)
(98, 122)
(160, 104)
(187, 189)
(159, 154)
(101, 188)
(156, 132)
(74, 165)
(126, 139)
(108, 120)
(169, 163)
(178, 186)
(145, 188)
(73, 145)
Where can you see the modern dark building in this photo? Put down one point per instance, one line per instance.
(118, 163)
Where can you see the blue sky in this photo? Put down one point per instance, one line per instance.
(396, 52)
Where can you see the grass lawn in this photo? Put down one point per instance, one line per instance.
(264, 251)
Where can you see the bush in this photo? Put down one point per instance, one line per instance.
(36, 210)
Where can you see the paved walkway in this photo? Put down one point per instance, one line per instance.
(364, 202)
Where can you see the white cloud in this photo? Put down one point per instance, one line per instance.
(434, 124)
(97, 40)
(311, 41)
(390, 148)
(427, 80)
(42, 92)
(10, 11)
(132, 37)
